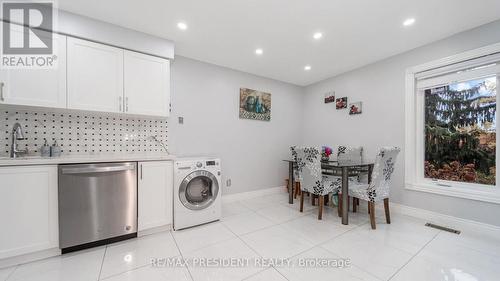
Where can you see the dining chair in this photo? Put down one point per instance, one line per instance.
(348, 153)
(378, 189)
(312, 179)
(351, 154)
(296, 184)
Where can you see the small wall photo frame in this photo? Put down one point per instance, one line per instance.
(355, 108)
(341, 103)
(330, 97)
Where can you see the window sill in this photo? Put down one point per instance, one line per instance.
(457, 191)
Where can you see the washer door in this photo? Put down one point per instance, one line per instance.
(198, 190)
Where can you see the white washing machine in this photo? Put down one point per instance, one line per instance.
(197, 191)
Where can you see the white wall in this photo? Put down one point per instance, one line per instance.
(207, 96)
(381, 88)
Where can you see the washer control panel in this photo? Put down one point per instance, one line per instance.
(212, 163)
(201, 164)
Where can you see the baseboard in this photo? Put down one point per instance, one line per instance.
(8, 262)
(252, 194)
(461, 224)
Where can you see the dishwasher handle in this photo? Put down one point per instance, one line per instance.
(89, 170)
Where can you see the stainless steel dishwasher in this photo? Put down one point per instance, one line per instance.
(97, 204)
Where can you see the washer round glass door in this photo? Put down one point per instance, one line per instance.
(198, 190)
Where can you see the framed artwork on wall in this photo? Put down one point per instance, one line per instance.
(341, 103)
(330, 97)
(355, 108)
(255, 105)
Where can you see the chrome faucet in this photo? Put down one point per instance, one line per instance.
(155, 138)
(17, 134)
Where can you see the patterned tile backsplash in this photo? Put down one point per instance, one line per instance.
(80, 133)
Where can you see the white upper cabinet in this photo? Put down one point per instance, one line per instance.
(37, 87)
(154, 192)
(95, 76)
(146, 84)
(92, 76)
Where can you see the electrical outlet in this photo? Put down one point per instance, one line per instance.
(228, 182)
(181, 120)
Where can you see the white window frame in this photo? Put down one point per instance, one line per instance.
(414, 142)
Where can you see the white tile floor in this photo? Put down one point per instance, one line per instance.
(404, 250)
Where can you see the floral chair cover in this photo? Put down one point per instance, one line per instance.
(346, 153)
(309, 168)
(352, 154)
(296, 174)
(379, 187)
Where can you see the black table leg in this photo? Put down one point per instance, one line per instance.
(345, 195)
(291, 181)
(370, 171)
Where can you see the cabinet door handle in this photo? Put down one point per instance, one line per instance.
(1, 91)
(141, 171)
(120, 104)
(126, 104)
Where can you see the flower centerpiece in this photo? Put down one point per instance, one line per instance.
(325, 153)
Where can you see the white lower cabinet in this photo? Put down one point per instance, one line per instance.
(28, 210)
(155, 191)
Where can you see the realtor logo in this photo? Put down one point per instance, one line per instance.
(33, 19)
(27, 38)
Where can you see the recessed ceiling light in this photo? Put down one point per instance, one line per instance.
(317, 35)
(182, 25)
(409, 22)
(259, 51)
(307, 67)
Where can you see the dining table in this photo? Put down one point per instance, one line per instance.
(344, 169)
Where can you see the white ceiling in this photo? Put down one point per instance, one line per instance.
(355, 32)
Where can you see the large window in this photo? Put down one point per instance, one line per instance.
(460, 131)
(451, 125)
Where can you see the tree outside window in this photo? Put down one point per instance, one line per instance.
(460, 131)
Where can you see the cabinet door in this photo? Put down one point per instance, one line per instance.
(146, 84)
(155, 191)
(95, 76)
(37, 87)
(28, 209)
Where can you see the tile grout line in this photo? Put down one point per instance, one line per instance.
(102, 262)
(418, 252)
(320, 243)
(252, 275)
(305, 213)
(12, 272)
(269, 268)
(141, 266)
(279, 272)
(127, 271)
(336, 254)
(291, 257)
(252, 249)
(182, 256)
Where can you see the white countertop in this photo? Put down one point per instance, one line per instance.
(91, 158)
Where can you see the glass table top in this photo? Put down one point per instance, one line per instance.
(335, 163)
